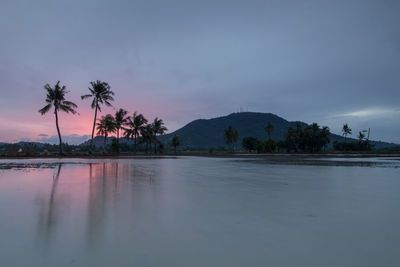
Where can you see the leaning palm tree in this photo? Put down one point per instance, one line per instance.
(361, 137)
(135, 125)
(346, 131)
(105, 126)
(268, 129)
(56, 98)
(158, 129)
(120, 120)
(101, 94)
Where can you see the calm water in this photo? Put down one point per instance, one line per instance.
(194, 211)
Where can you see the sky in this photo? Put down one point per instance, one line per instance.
(330, 62)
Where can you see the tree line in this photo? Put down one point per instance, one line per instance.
(131, 127)
(362, 144)
(303, 138)
(311, 138)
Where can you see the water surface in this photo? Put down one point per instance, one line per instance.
(198, 211)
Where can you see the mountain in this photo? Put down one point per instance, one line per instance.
(206, 133)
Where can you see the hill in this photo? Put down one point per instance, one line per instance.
(206, 133)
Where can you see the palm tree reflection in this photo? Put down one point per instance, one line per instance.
(49, 213)
(109, 191)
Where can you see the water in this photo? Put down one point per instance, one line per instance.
(194, 211)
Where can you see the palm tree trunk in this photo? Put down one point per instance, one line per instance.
(135, 142)
(104, 144)
(118, 140)
(58, 131)
(94, 124)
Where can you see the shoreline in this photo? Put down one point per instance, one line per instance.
(203, 154)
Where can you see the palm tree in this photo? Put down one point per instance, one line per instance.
(101, 94)
(324, 136)
(231, 135)
(158, 129)
(175, 142)
(268, 129)
(105, 126)
(361, 137)
(147, 133)
(56, 98)
(346, 130)
(120, 119)
(136, 124)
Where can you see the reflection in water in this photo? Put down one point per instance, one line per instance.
(104, 194)
(199, 212)
(49, 211)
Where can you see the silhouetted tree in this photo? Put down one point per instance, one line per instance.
(158, 129)
(268, 129)
(231, 135)
(147, 134)
(105, 126)
(120, 119)
(135, 125)
(361, 137)
(346, 131)
(309, 139)
(55, 98)
(101, 94)
(250, 143)
(175, 142)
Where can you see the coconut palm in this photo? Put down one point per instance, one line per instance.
(231, 135)
(147, 133)
(175, 142)
(101, 94)
(268, 129)
(120, 119)
(135, 125)
(56, 98)
(346, 131)
(158, 129)
(361, 137)
(105, 126)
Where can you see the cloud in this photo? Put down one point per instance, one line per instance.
(43, 135)
(373, 112)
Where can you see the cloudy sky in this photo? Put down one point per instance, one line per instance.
(329, 62)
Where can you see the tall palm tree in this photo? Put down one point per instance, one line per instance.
(346, 131)
(120, 119)
(231, 135)
(158, 129)
(101, 94)
(147, 133)
(105, 126)
(325, 134)
(56, 98)
(135, 125)
(175, 142)
(268, 129)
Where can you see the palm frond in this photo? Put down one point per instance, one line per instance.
(45, 109)
(85, 96)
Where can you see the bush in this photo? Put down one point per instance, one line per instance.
(250, 143)
(352, 146)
